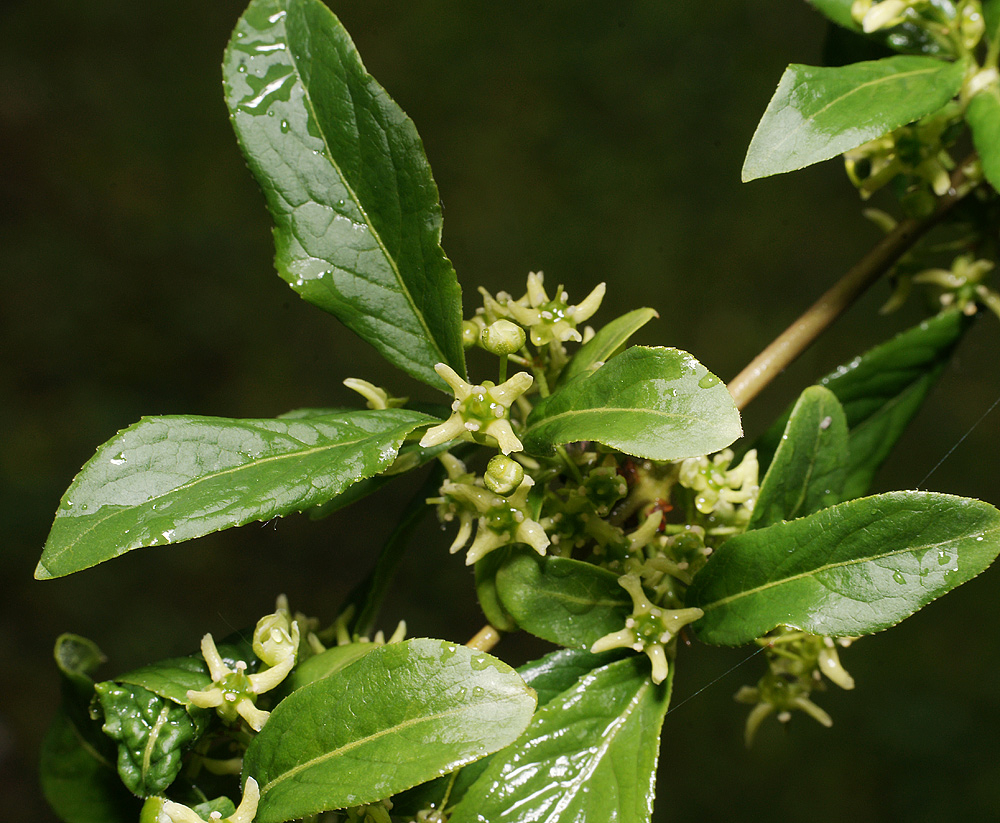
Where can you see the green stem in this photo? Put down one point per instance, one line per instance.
(573, 468)
(503, 370)
(794, 340)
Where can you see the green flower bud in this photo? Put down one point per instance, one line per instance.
(470, 333)
(502, 338)
(503, 474)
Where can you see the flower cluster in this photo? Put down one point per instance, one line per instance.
(547, 320)
(725, 495)
(648, 629)
(796, 663)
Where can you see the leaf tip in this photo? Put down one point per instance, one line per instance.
(42, 572)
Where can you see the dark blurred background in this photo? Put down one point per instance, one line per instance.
(594, 141)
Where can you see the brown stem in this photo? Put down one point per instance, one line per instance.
(485, 639)
(797, 337)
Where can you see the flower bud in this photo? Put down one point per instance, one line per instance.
(503, 474)
(502, 338)
(470, 333)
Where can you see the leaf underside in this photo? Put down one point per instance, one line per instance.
(818, 113)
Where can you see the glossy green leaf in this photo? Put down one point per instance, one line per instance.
(606, 343)
(656, 403)
(401, 715)
(839, 11)
(855, 568)
(356, 211)
(808, 470)
(152, 733)
(562, 600)
(168, 479)
(324, 664)
(589, 755)
(486, 589)
(549, 676)
(411, 456)
(818, 113)
(983, 117)
(880, 392)
(173, 677)
(77, 767)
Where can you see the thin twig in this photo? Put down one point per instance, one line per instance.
(485, 639)
(794, 340)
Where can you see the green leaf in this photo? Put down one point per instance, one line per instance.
(561, 600)
(549, 676)
(356, 211)
(77, 764)
(486, 590)
(818, 113)
(401, 715)
(881, 391)
(991, 15)
(589, 755)
(152, 733)
(173, 677)
(839, 11)
(80, 782)
(606, 343)
(168, 479)
(411, 456)
(852, 569)
(809, 468)
(324, 664)
(983, 117)
(657, 403)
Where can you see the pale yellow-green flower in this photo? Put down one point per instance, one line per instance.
(649, 629)
(171, 812)
(233, 692)
(479, 411)
(501, 520)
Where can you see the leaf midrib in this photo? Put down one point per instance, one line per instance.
(843, 564)
(202, 478)
(307, 97)
(854, 90)
(347, 747)
(601, 751)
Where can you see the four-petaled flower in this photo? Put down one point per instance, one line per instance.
(547, 320)
(171, 812)
(479, 411)
(648, 629)
(233, 692)
(502, 520)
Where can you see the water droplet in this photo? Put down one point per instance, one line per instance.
(898, 577)
(242, 68)
(118, 459)
(284, 127)
(270, 113)
(943, 558)
(478, 691)
(708, 381)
